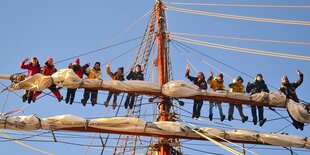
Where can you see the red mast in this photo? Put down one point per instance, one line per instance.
(164, 148)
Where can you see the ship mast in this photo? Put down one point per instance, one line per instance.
(164, 106)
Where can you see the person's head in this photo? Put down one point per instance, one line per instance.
(259, 77)
(219, 77)
(239, 80)
(284, 80)
(97, 65)
(200, 75)
(138, 68)
(120, 70)
(34, 61)
(50, 61)
(77, 61)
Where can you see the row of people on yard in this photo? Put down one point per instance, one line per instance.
(216, 83)
(258, 86)
(33, 67)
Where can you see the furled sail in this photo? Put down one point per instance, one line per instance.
(130, 125)
(177, 89)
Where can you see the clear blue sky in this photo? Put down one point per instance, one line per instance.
(63, 29)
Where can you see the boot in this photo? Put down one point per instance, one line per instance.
(130, 106)
(261, 122)
(295, 125)
(222, 118)
(93, 101)
(83, 102)
(24, 98)
(106, 104)
(254, 121)
(29, 99)
(67, 100)
(244, 119)
(230, 117)
(60, 98)
(34, 98)
(114, 105)
(211, 117)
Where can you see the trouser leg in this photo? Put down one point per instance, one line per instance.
(211, 108)
(240, 109)
(219, 104)
(231, 109)
(199, 106)
(260, 112)
(253, 111)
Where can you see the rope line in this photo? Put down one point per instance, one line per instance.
(243, 39)
(204, 61)
(25, 145)
(247, 18)
(240, 5)
(240, 49)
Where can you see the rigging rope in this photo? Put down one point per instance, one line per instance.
(243, 39)
(188, 61)
(247, 18)
(214, 141)
(204, 61)
(240, 49)
(240, 5)
(25, 145)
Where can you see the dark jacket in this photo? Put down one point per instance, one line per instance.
(202, 84)
(135, 76)
(48, 70)
(257, 87)
(31, 69)
(78, 69)
(289, 89)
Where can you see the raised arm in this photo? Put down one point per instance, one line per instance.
(22, 65)
(109, 70)
(300, 80)
(187, 70)
(210, 77)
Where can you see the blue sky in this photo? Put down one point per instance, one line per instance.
(64, 29)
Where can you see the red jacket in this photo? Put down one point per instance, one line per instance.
(78, 70)
(48, 70)
(31, 69)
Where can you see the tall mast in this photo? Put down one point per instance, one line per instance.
(164, 148)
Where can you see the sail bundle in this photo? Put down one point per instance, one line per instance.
(176, 89)
(130, 125)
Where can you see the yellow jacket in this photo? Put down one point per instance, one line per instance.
(93, 73)
(236, 87)
(115, 76)
(215, 84)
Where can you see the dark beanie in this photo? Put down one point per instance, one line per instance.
(259, 75)
(220, 75)
(97, 63)
(122, 69)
